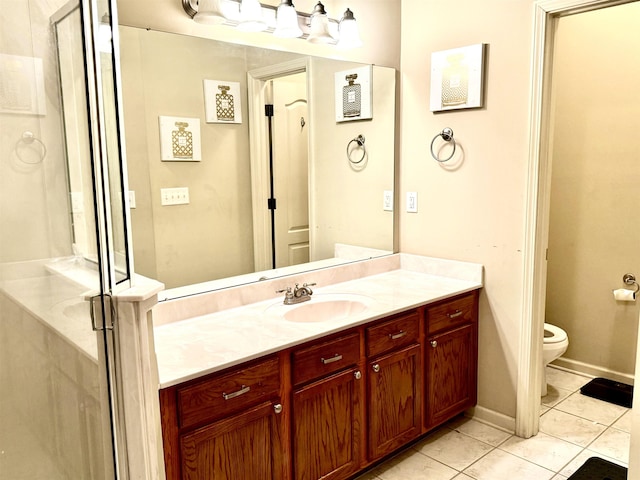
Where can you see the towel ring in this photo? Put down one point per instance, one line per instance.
(27, 139)
(447, 136)
(360, 143)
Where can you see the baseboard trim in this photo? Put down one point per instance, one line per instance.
(592, 370)
(492, 418)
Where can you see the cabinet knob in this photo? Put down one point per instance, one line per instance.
(376, 367)
(434, 344)
(357, 374)
(277, 408)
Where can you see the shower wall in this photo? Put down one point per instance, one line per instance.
(33, 199)
(594, 235)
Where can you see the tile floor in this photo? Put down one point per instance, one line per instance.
(573, 428)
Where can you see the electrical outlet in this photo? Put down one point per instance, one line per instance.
(387, 201)
(174, 196)
(412, 202)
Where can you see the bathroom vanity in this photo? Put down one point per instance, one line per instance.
(322, 397)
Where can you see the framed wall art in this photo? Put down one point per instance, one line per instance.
(180, 139)
(457, 78)
(353, 94)
(222, 102)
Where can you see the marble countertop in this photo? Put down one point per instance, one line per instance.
(204, 344)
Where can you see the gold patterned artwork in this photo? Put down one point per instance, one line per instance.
(180, 139)
(182, 142)
(222, 102)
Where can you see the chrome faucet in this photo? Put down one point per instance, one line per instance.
(297, 294)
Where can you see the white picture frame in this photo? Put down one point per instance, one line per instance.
(180, 139)
(222, 102)
(22, 85)
(457, 78)
(353, 97)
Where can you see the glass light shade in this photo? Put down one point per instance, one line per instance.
(287, 21)
(349, 35)
(319, 28)
(209, 13)
(251, 16)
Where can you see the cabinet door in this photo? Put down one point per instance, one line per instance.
(451, 373)
(244, 446)
(327, 422)
(394, 400)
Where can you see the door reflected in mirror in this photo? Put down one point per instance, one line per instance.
(321, 200)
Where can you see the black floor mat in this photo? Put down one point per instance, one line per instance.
(598, 469)
(609, 391)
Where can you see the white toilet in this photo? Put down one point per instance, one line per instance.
(555, 344)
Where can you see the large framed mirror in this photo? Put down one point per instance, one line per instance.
(217, 231)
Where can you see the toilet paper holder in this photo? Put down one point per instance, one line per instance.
(630, 279)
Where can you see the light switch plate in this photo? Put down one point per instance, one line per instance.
(174, 196)
(412, 202)
(387, 201)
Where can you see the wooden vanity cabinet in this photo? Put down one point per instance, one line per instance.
(451, 358)
(394, 383)
(227, 426)
(330, 407)
(327, 402)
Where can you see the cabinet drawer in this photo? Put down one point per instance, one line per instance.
(396, 333)
(228, 392)
(324, 358)
(450, 314)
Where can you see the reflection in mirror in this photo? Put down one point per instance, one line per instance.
(213, 233)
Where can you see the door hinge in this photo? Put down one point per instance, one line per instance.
(271, 203)
(268, 110)
(109, 311)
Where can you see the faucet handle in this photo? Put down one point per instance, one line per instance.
(288, 290)
(309, 284)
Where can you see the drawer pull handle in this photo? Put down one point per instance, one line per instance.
(277, 408)
(456, 314)
(434, 344)
(376, 367)
(357, 374)
(336, 358)
(395, 336)
(242, 391)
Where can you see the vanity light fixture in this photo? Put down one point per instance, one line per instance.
(209, 13)
(319, 26)
(251, 19)
(287, 21)
(349, 34)
(283, 20)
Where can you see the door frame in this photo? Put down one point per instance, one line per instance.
(257, 80)
(546, 13)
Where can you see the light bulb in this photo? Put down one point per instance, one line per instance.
(287, 21)
(349, 35)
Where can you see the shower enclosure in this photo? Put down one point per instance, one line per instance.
(63, 241)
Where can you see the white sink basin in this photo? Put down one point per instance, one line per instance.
(323, 308)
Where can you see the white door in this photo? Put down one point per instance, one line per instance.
(291, 170)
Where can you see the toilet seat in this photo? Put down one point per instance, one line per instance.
(557, 334)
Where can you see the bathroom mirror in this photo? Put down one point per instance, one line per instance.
(210, 229)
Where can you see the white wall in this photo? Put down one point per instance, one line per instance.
(474, 212)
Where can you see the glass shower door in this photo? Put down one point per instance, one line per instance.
(63, 247)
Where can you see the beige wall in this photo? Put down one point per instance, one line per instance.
(593, 233)
(474, 212)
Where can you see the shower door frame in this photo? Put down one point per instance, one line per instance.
(546, 13)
